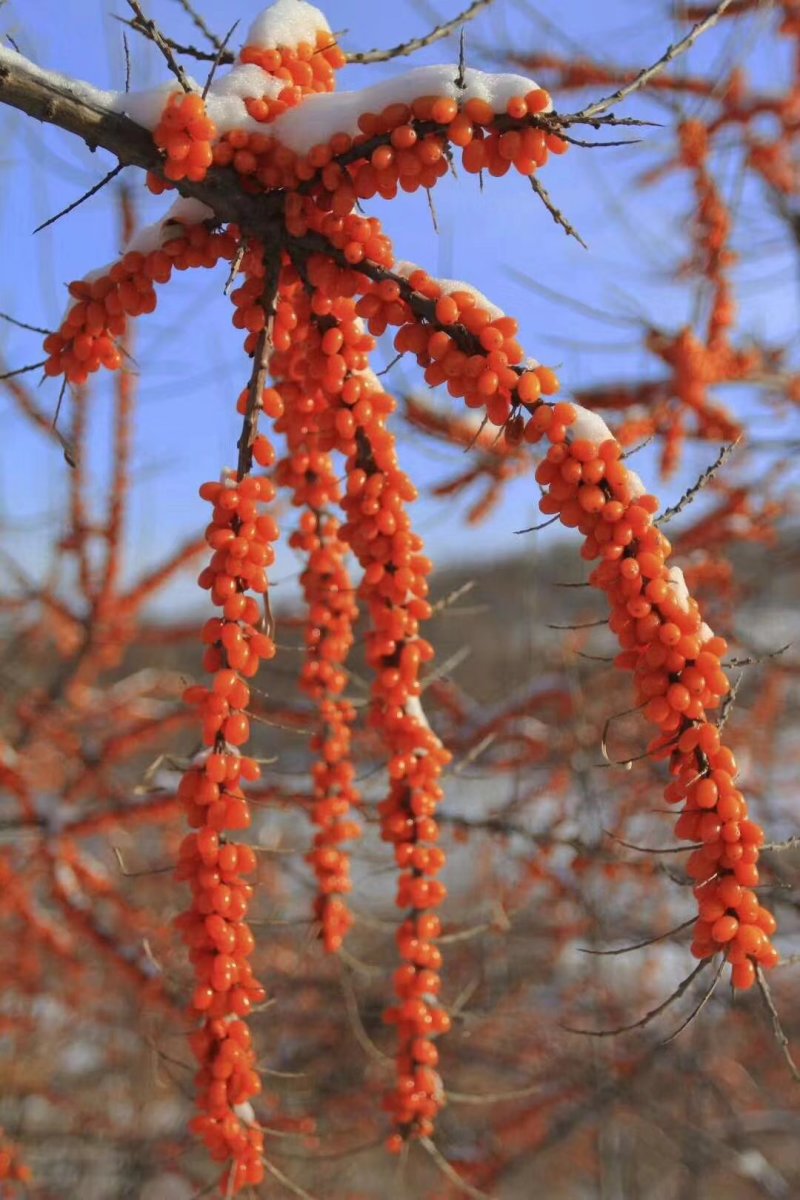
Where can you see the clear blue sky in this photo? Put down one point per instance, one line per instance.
(188, 352)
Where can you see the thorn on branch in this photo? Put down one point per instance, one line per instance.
(112, 174)
(24, 325)
(22, 370)
(554, 211)
(536, 528)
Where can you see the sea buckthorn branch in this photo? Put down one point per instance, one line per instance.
(678, 679)
(331, 613)
(646, 596)
(219, 939)
(103, 306)
(393, 587)
(79, 108)
(214, 927)
(318, 243)
(308, 472)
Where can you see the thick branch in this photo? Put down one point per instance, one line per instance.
(90, 114)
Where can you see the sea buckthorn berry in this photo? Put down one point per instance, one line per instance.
(724, 929)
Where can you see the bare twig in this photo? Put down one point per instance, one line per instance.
(777, 1027)
(200, 24)
(652, 849)
(22, 370)
(156, 36)
(643, 78)
(179, 47)
(112, 174)
(698, 1008)
(554, 211)
(649, 1016)
(428, 39)
(660, 937)
(218, 59)
(689, 495)
(24, 324)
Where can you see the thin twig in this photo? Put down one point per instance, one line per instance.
(154, 33)
(652, 849)
(419, 43)
(127, 52)
(218, 59)
(555, 211)
(24, 324)
(649, 1016)
(23, 370)
(791, 843)
(536, 528)
(689, 495)
(777, 1028)
(451, 1173)
(698, 1008)
(286, 1181)
(643, 78)
(660, 937)
(112, 174)
(582, 625)
(200, 24)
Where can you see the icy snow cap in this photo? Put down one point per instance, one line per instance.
(287, 23)
(319, 117)
(225, 102)
(677, 585)
(186, 211)
(589, 425)
(407, 269)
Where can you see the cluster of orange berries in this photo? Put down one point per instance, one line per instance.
(320, 369)
(462, 344)
(215, 928)
(678, 677)
(87, 337)
(309, 474)
(404, 146)
(305, 70)
(185, 133)
(395, 588)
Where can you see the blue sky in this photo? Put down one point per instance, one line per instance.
(188, 353)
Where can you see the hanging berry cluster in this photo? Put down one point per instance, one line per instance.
(317, 284)
(216, 867)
